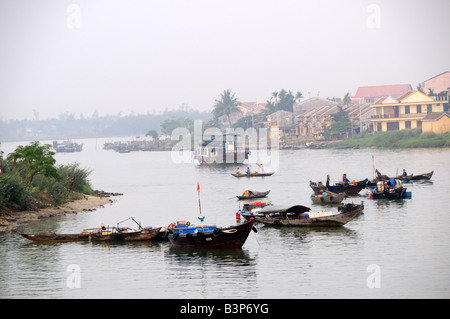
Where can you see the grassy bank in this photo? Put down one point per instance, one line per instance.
(413, 138)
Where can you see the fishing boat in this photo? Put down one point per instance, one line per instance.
(412, 177)
(328, 198)
(351, 188)
(253, 195)
(395, 191)
(50, 236)
(67, 146)
(209, 235)
(251, 210)
(253, 174)
(116, 233)
(125, 234)
(299, 215)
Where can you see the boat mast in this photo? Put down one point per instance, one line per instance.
(201, 218)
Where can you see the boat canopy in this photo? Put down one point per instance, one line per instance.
(284, 209)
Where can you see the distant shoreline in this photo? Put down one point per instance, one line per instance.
(87, 203)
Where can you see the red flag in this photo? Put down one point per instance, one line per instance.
(198, 186)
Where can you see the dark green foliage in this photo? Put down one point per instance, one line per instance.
(32, 160)
(34, 181)
(12, 191)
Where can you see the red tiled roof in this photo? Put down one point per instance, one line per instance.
(382, 90)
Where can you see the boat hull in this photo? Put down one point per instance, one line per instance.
(397, 193)
(227, 237)
(328, 199)
(253, 174)
(341, 219)
(349, 189)
(412, 177)
(53, 237)
(254, 195)
(141, 235)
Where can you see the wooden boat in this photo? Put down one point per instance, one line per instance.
(328, 198)
(383, 192)
(299, 215)
(126, 234)
(251, 210)
(254, 195)
(50, 236)
(412, 177)
(252, 174)
(210, 236)
(352, 188)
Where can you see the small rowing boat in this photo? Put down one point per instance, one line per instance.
(50, 236)
(252, 195)
(252, 174)
(328, 198)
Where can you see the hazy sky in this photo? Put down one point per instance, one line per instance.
(148, 55)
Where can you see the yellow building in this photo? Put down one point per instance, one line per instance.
(404, 112)
(436, 123)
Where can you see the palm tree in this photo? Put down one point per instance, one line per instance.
(298, 96)
(347, 98)
(225, 105)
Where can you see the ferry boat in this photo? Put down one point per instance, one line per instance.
(226, 151)
(67, 146)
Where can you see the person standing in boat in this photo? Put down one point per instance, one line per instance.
(404, 173)
(261, 166)
(378, 174)
(238, 171)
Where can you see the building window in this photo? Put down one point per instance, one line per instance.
(392, 126)
(407, 124)
(419, 108)
(429, 108)
(419, 123)
(406, 109)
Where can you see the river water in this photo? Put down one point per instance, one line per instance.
(395, 249)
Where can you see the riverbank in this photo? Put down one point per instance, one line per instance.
(395, 139)
(87, 203)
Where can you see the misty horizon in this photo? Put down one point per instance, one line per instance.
(140, 57)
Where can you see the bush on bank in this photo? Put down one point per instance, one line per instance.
(19, 192)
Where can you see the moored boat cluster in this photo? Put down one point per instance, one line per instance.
(184, 234)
